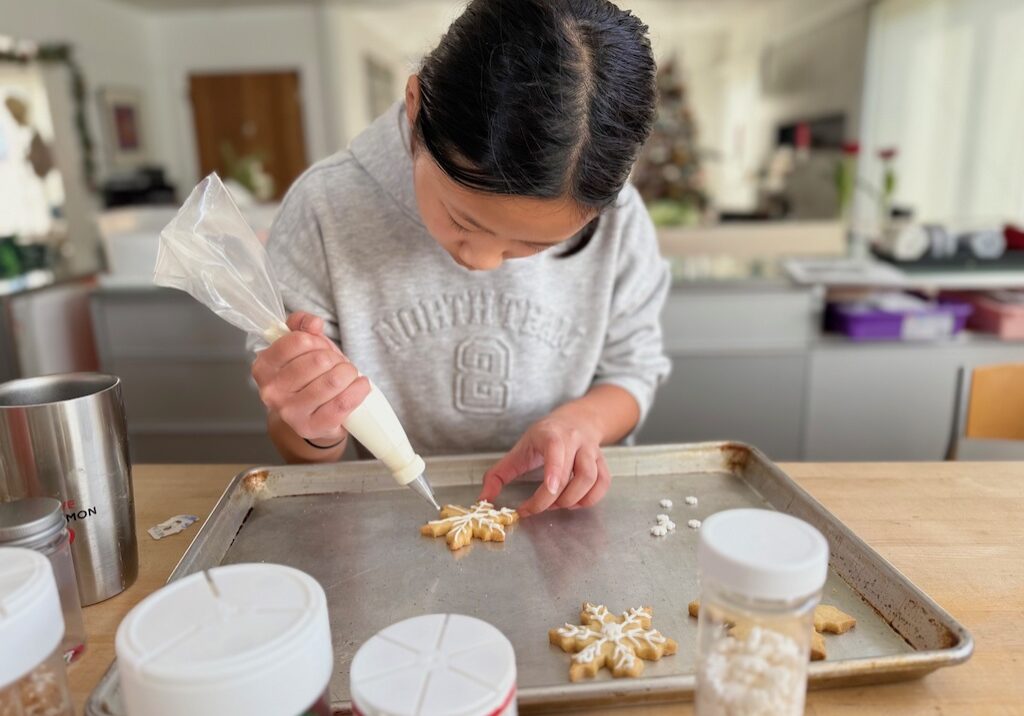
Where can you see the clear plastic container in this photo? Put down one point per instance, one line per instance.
(38, 523)
(41, 692)
(761, 576)
(33, 680)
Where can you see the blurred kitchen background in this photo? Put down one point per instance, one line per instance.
(839, 186)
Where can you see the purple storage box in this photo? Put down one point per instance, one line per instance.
(897, 317)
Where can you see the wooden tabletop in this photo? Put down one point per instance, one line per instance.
(956, 529)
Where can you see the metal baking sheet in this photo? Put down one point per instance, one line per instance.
(350, 527)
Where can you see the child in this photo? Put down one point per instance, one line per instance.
(478, 252)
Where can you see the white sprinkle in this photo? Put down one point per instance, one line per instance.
(670, 526)
(691, 500)
(666, 503)
(663, 519)
(693, 524)
(659, 530)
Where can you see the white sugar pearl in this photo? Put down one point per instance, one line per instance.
(693, 524)
(691, 500)
(666, 503)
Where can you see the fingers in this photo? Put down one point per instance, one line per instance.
(303, 370)
(521, 458)
(326, 387)
(332, 414)
(302, 321)
(284, 350)
(555, 476)
(584, 477)
(601, 485)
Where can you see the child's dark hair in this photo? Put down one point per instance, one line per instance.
(539, 98)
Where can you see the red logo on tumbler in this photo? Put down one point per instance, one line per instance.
(72, 533)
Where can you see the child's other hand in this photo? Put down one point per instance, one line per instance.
(575, 473)
(308, 382)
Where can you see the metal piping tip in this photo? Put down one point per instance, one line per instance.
(422, 488)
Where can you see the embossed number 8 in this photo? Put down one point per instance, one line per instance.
(481, 382)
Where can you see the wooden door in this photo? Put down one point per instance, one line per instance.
(258, 113)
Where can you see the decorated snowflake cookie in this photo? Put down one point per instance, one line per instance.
(459, 525)
(618, 643)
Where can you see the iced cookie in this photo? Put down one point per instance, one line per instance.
(832, 620)
(619, 643)
(459, 525)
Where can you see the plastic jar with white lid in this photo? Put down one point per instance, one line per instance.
(38, 523)
(33, 679)
(761, 576)
(249, 639)
(436, 665)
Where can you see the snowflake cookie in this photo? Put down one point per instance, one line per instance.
(459, 525)
(618, 643)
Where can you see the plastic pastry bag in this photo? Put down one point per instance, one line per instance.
(209, 251)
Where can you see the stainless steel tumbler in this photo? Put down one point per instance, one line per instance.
(65, 436)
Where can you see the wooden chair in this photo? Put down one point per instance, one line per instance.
(989, 407)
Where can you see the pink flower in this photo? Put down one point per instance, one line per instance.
(887, 153)
(851, 148)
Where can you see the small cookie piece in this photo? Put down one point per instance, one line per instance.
(621, 644)
(817, 647)
(694, 608)
(834, 621)
(459, 525)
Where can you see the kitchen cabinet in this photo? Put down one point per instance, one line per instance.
(755, 398)
(185, 377)
(889, 401)
(739, 354)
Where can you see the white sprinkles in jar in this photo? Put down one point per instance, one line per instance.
(760, 674)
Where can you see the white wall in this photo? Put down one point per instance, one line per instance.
(945, 85)
(230, 40)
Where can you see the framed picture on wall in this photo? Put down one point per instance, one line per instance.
(121, 116)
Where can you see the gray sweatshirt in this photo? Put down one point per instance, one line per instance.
(468, 359)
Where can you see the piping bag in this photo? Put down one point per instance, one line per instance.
(209, 251)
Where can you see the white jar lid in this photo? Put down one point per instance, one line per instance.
(31, 621)
(763, 554)
(248, 639)
(434, 665)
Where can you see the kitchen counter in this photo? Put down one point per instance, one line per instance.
(955, 529)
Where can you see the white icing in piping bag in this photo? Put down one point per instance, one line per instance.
(209, 251)
(375, 425)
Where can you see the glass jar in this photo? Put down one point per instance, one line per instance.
(761, 576)
(38, 523)
(33, 680)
